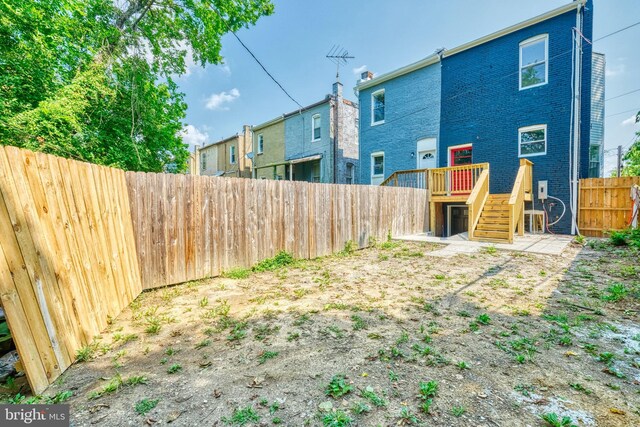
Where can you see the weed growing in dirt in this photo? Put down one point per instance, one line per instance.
(369, 394)
(462, 365)
(238, 332)
(145, 405)
(358, 323)
(580, 387)
(116, 384)
(524, 389)
(553, 420)
(174, 368)
(483, 319)
(281, 259)
(360, 408)
(237, 273)
(408, 417)
(123, 339)
(261, 332)
(428, 390)
(292, 336)
(20, 399)
(615, 292)
(338, 386)
(266, 355)
(242, 416)
(86, 353)
(491, 250)
(458, 411)
(337, 419)
(204, 302)
(203, 344)
(606, 358)
(393, 377)
(153, 325)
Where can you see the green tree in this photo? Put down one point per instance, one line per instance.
(632, 156)
(94, 79)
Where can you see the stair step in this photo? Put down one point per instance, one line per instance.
(497, 202)
(494, 220)
(499, 196)
(493, 227)
(492, 234)
(488, 207)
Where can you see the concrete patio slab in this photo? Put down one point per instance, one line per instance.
(546, 244)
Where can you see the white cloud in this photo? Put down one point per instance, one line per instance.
(630, 121)
(217, 101)
(359, 70)
(225, 69)
(614, 70)
(192, 136)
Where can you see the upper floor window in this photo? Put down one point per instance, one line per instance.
(203, 161)
(260, 144)
(350, 172)
(315, 127)
(534, 58)
(232, 154)
(377, 107)
(532, 141)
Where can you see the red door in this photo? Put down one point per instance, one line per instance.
(461, 181)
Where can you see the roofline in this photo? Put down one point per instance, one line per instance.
(308, 107)
(432, 59)
(268, 123)
(237, 135)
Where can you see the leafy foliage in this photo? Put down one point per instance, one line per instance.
(93, 80)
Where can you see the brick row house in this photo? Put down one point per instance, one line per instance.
(493, 128)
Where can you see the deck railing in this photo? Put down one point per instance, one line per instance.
(476, 201)
(522, 187)
(414, 178)
(455, 180)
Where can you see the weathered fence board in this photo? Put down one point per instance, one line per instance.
(67, 256)
(195, 227)
(605, 204)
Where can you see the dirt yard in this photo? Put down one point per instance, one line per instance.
(382, 337)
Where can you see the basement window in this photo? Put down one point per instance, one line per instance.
(532, 141)
(534, 58)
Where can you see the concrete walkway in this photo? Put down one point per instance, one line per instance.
(547, 244)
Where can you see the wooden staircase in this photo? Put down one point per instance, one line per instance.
(493, 224)
(497, 217)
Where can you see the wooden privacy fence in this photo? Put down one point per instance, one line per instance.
(189, 227)
(79, 242)
(605, 204)
(67, 256)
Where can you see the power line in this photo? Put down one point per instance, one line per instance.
(617, 31)
(637, 109)
(255, 58)
(624, 94)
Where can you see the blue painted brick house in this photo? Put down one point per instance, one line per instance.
(499, 99)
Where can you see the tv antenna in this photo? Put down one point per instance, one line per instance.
(339, 56)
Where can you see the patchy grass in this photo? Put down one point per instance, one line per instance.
(421, 340)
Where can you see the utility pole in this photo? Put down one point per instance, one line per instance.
(619, 160)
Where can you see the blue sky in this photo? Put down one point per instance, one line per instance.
(382, 35)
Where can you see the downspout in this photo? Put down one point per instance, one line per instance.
(334, 157)
(577, 84)
(254, 172)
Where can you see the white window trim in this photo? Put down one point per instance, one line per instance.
(527, 129)
(232, 155)
(377, 154)
(373, 94)
(313, 127)
(260, 146)
(524, 43)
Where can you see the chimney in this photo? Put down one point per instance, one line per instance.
(337, 89)
(366, 75)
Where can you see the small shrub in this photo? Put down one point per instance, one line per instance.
(266, 355)
(174, 368)
(615, 292)
(237, 273)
